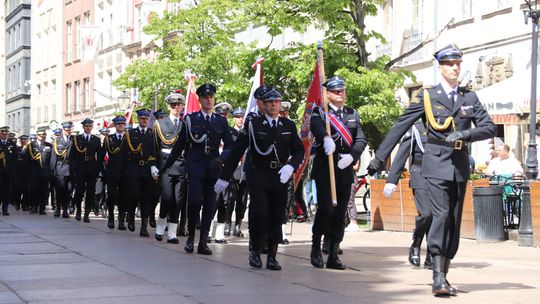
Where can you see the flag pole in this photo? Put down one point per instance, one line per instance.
(320, 62)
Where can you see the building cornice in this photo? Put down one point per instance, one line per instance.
(19, 8)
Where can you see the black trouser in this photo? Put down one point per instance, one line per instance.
(52, 192)
(201, 195)
(330, 220)
(447, 207)
(423, 206)
(38, 192)
(85, 186)
(116, 194)
(63, 191)
(266, 214)
(20, 191)
(5, 195)
(238, 203)
(140, 192)
(173, 194)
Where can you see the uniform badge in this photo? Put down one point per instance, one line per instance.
(265, 122)
(439, 107)
(196, 136)
(439, 92)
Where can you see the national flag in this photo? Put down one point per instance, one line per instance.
(192, 100)
(314, 98)
(257, 82)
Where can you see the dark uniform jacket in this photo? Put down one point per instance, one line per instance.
(262, 170)
(38, 159)
(165, 135)
(320, 163)
(137, 154)
(60, 156)
(21, 164)
(86, 156)
(111, 147)
(201, 143)
(409, 147)
(8, 157)
(441, 160)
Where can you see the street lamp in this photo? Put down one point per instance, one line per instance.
(525, 224)
(124, 100)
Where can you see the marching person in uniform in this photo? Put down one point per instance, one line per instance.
(116, 188)
(346, 142)
(201, 138)
(101, 183)
(38, 157)
(20, 185)
(85, 161)
(448, 112)
(276, 151)
(137, 164)
(412, 145)
(8, 157)
(60, 166)
(290, 207)
(173, 180)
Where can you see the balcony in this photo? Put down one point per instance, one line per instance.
(409, 42)
(384, 49)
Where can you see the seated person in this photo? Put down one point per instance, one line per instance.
(504, 164)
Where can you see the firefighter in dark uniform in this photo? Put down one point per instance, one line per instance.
(137, 164)
(448, 112)
(20, 184)
(201, 138)
(276, 152)
(290, 207)
(8, 159)
(346, 142)
(101, 182)
(412, 145)
(38, 156)
(116, 188)
(60, 167)
(85, 163)
(173, 180)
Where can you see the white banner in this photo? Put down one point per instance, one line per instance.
(89, 36)
(149, 9)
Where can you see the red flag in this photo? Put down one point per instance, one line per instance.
(192, 100)
(314, 98)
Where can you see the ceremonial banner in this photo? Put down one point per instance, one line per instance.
(257, 82)
(192, 100)
(89, 40)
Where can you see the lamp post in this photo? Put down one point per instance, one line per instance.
(123, 100)
(525, 224)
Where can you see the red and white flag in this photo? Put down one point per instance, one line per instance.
(192, 100)
(257, 82)
(89, 40)
(313, 99)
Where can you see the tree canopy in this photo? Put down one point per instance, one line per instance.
(202, 39)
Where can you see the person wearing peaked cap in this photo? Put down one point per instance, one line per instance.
(119, 119)
(62, 180)
(23, 137)
(20, 182)
(37, 156)
(271, 95)
(448, 112)
(32, 137)
(159, 114)
(85, 163)
(4, 129)
(238, 112)
(449, 53)
(175, 97)
(104, 131)
(206, 90)
(57, 131)
(260, 91)
(223, 109)
(12, 135)
(334, 83)
(8, 154)
(143, 113)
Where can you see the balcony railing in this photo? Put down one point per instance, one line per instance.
(384, 49)
(410, 42)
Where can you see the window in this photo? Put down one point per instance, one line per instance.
(77, 33)
(417, 16)
(69, 95)
(69, 41)
(464, 9)
(38, 116)
(9, 80)
(77, 96)
(21, 76)
(46, 112)
(38, 88)
(387, 17)
(87, 18)
(86, 98)
(19, 35)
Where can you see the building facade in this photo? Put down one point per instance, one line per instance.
(3, 6)
(17, 65)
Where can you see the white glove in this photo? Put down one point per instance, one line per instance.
(285, 173)
(220, 185)
(389, 189)
(329, 145)
(154, 171)
(345, 160)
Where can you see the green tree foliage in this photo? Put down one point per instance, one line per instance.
(201, 39)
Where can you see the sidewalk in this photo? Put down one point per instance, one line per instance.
(51, 260)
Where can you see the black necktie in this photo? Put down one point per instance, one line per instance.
(339, 114)
(273, 123)
(453, 96)
(120, 137)
(176, 122)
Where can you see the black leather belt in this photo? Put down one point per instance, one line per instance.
(89, 158)
(457, 145)
(272, 164)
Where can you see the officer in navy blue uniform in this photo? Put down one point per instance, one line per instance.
(85, 163)
(201, 137)
(38, 156)
(60, 167)
(137, 165)
(448, 111)
(101, 183)
(20, 185)
(173, 180)
(116, 188)
(330, 220)
(8, 156)
(276, 151)
(412, 148)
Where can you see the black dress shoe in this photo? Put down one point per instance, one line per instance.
(173, 241)
(121, 225)
(158, 237)
(5, 213)
(110, 224)
(224, 241)
(57, 213)
(203, 249)
(131, 227)
(285, 242)
(189, 245)
(17, 207)
(316, 258)
(78, 217)
(428, 264)
(414, 256)
(65, 215)
(272, 264)
(144, 232)
(152, 222)
(25, 209)
(237, 232)
(335, 264)
(209, 240)
(264, 248)
(86, 219)
(255, 260)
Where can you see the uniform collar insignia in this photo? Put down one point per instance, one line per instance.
(265, 122)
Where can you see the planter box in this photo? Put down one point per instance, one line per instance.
(398, 212)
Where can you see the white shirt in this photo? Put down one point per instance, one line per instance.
(206, 115)
(173, 118)
(509, 166)
(119, 135)
(87, 136)
(448, 90)
(270, 119)
(143, 130)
